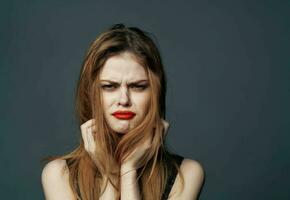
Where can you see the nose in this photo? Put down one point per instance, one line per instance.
(124, 98)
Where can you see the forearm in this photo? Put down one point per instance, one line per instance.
(109, 193)
(129, 184)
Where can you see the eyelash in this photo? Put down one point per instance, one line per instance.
(111, 87)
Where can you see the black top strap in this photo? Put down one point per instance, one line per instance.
(172, 176)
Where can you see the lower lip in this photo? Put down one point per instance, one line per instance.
(124, 116)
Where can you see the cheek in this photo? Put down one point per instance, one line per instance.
(143, 102)
(107, 101)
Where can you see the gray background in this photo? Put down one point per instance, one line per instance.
(228, 87)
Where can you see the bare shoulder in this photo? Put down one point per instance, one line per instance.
(193, 174)
(54, 166)
(192, 168)
(55, 170)
(55, 180)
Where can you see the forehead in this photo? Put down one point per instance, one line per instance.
(122, 66)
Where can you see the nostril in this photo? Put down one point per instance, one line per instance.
(124, 101)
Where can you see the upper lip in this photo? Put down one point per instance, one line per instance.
(123, 112)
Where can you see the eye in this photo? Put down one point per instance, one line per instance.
(108, 87)
(139, 87)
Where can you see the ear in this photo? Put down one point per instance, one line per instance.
(165, 125)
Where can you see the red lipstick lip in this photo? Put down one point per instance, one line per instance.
(124, 114)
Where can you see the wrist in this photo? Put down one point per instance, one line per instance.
(126, 167)
(129, 178)
(127, 172)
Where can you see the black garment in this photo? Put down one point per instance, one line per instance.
(172, 175)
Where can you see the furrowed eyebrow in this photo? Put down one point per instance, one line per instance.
(133, 82)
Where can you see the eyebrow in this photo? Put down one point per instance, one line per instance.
(133, 82)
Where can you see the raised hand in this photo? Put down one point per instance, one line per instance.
(132, 160)
(88, 138)
(89, 134)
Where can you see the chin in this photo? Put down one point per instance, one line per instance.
(121, 133)
(122, 126)
(119, 129)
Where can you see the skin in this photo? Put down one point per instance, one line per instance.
(125, 86)
(124, 95)
(130, 91)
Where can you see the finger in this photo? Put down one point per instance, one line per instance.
(165, 125)
(88, 123)
(94, 129)
(90, 138)
(84, 131)
(84, 136)
(148, 142)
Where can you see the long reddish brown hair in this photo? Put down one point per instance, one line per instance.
(85, 176)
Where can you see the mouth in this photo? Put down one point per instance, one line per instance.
(126, 115)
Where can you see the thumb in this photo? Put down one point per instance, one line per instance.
(165, 125)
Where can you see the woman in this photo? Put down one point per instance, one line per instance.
(120, 102)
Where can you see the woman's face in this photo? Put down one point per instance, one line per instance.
(124, 87)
